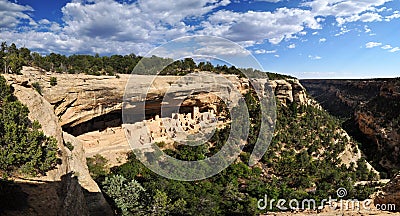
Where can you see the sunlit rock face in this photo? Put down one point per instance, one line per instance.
(68, 189)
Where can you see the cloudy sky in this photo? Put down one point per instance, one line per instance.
(304, 38)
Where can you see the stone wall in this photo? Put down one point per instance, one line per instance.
(168, 129)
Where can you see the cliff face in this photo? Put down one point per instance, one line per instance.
(290, 90)
(91, 106)
(95, 102)
(68, 189)
(42, 111)
(372, 106)
(341, 97)
(379, 120)
(390, 193)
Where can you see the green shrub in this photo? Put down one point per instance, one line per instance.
(127, 195)
(69, 146)
(37, 87)
(23, 146)
(97, 166)
(53, 81)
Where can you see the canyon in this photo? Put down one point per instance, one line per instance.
(370, 109)
(87, 112)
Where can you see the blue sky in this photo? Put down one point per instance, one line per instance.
(303, 38)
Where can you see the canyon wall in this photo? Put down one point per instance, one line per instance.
(68, 189)
(372, 109)
(86, 111)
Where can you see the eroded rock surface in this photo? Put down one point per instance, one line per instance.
(390, 193)
(80, 101)
(59, 192)
(373, 108)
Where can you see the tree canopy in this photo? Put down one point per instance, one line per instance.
(14, 59)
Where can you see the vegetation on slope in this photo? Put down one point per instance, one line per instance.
(369, 109)
(382, 146)
(301, 163)
(23, 146)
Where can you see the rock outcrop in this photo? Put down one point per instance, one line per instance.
(59, 192)
(290, 90)
(95, 202)
(341, 97)
(91, 107)
(42, 111)
(389, 194)
(372, 106)
(79, 99)
(379, 120)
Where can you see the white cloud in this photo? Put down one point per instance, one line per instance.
(342, 8)
(343, 30)
(369, 17)
(390, 48)
(314, 57)
(322, 40)
(277, 56)
(131, 22)
(13, 14)
(259, 26)
(372, 44)
(205, 46)
(347, 10)
(366, 17)
(263, 51)
(272, 1)
(382, 9)
(292, 46)
(271, 51)
(395, 15)
(218, 50)
(396, 49)
(44, 22)
(174, 11)
(367, 29)
(46, 42)
(108, 26)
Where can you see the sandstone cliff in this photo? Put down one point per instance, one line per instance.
(290, 90)
(372, 106)
(90, 107)
(341, 97)
(390, 193)
(68, 189)
(379, 120)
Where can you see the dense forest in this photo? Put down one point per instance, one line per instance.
(292, 168)
(14, 59)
